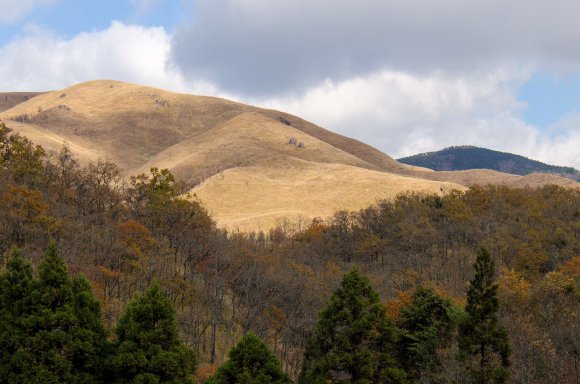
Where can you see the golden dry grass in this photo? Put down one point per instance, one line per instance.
(251, 175)
(247, 139)
(249, 198)
(53, 143)
(130, 123)
(484, 177)
(134, 124)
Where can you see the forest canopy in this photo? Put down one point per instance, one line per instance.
(124, 234)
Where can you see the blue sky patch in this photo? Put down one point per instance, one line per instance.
(550, 97)
(68, 18)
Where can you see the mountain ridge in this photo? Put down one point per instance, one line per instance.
(467, 157)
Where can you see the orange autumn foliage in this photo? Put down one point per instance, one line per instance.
(395, 305)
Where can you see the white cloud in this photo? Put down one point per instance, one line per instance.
(265, 47)
(560, 144)
(404, 114)
(13, 10)
(42, 61)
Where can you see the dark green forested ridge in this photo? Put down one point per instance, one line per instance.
(469, 157)
(124, 235)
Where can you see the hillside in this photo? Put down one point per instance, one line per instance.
(11, 99)
(256, 197)
(469, 157)
(249, 166)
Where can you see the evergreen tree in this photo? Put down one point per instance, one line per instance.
(62, 339)
(426, 323)
(354, 342)
(88, 346)
(483, 342)
(42, 355)
(250, 362)
(15, 302)
(149, 349)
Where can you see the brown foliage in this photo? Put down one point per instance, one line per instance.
(124, 233)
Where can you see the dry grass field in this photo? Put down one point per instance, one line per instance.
(251, 166)
(485, 176)
(256, 197)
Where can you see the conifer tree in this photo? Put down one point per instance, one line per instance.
(89, 346)
(149, 349)
(354, 341)
(250, 362)
(425, 323)
(62, 339)
(483, 342)
(15, 302)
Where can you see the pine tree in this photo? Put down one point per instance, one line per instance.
(15, 302)
(483, 342)
(62, 338)
(149, 349)
(354, 342)
(250, 362)
(42, 355)
(426, 323)
(88, 347)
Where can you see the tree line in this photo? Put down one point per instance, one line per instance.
(125, 233)
(51, 331)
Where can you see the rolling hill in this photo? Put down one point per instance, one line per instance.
(470, 157)
(250, 166)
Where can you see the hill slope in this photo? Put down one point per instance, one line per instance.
(11, 99)
(470, 157)
(256, 197)
(251, 166)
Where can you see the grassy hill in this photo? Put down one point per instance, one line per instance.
(470, 157)
(249, 166)
(11, 99)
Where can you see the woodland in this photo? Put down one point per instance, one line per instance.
(480, 286)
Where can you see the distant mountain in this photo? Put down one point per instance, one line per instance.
(469, 157)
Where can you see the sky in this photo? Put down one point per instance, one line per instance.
(405, 76)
